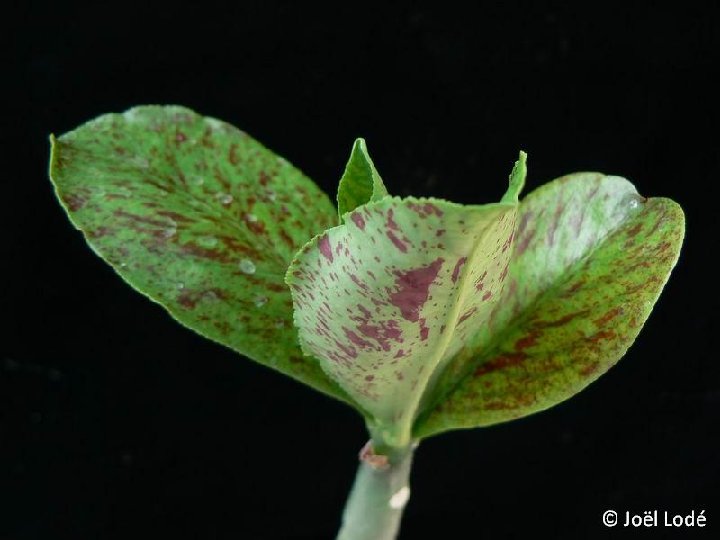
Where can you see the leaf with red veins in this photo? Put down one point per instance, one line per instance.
(590, 260)
(201, 218)
(402, 299)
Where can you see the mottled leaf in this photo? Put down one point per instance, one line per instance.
(360, 183)
(385, 300)
(590, 260)
(201, 218)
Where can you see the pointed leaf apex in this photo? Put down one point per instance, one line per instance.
(360, 183)
(517, 179)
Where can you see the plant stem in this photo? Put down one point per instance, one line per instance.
(375, 505)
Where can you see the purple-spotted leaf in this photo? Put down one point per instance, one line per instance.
(385, 300)
(360, 183)
(590, 260)
(201, 218)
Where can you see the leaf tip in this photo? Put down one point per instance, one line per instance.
(360, 144)
(517, 179)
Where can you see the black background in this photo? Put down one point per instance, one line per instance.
(115, 422)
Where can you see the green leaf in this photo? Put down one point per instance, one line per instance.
(360, 183)
(385, 300)
(590, 260)
(199, 217)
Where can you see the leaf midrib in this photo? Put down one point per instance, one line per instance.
(452, 317)
(519, 320)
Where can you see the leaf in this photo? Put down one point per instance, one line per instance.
(385, 300)
(360, 183)
(590, 260)
(200, 218)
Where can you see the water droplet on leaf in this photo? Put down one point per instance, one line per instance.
(170, 231)
(140, 162)
(225, 198)
(251, 218)
(210, 295)
(247, 266)
(207, 241)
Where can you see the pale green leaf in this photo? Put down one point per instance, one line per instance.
(590, 259)
(385, 300)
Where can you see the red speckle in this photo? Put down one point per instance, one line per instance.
(232, 154)
(286, 238)
(425, 210)
(180, 137)
(369, 378)
(399, 354)
(396, 241)
(358, 282)
(528, 341)
(486, 296)
(365, 312)
(391, 222)
(432, 209)
(424, 330)
(355, 339)
(603, 334)
(99, 232)
(325, 248)
(386, 331)
(503, 274)
(507, 243)
(349, 351)
(439, 232)
(187, 300)
(632, 233)
(573, 288)
(174, 215)
(413, 289)
(358, 220)
(456, 271)
(523, 222)
(500, 362)
(610, 315)
(74, 202)
(556, 221)
(561, 321)
(257, 227)
(466, 315)
(589, 369)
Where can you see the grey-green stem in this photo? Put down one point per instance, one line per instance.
(381, 491)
